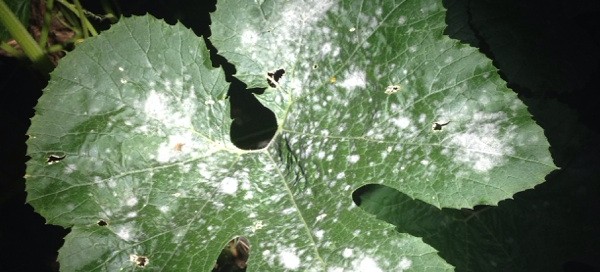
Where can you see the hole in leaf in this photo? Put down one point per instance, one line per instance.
(253, 125)
(234, 256)
(439, 126)
(139, 260)
(315, 66)
(273, 78)
(52, 159)
(392, 89)
(358, 193)
(102, 223)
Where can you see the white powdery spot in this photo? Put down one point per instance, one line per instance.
(481, 153)
(347, 253)
(131, 201)
(353, 158)
(326, 49)
(402, 20)
(249, 37)
(354, 79)
(321, 217)
(368, 264)
(125, 233)
(155, 105)
(297, 18)
(70, 168)
(289, 259)
(319, 234)
(404, 264)
(171, 113)
(257, 225)
(229, 186)
(288, 211)
(401, 122)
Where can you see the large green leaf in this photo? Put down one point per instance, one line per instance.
(130, 144)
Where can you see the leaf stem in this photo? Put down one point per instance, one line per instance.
(87, 27)
(110, 13)
(46, 25)
(83, 19)
(10, 50)
(71, 21)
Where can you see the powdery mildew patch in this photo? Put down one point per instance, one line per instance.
(285, 30)
(126, 232)
(354, 79)
(173, 116)
(229, 186)
(289, 259)
(486, 143)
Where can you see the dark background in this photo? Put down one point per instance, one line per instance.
(548, 52)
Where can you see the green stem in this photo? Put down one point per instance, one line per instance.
(110, 13)
(85, 23)
(46, 26)
(55, 48)
(82, 17)
(10, 50)
(71, 21)
(33, 51)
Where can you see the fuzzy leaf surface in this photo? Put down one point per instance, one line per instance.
(129, 147)
(133, 131)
